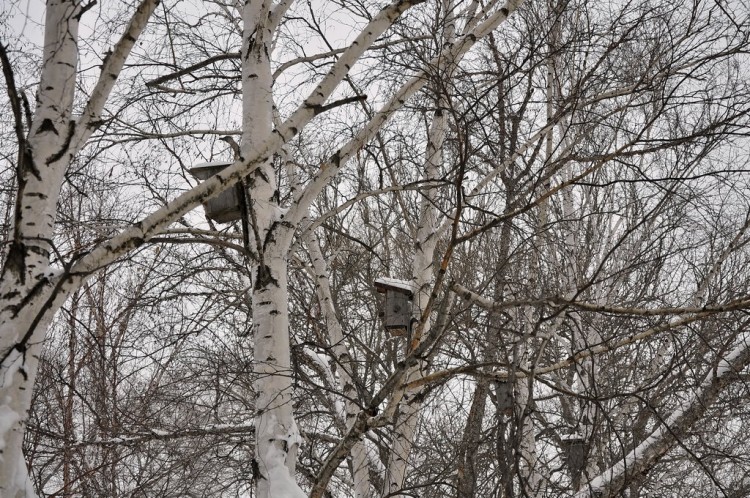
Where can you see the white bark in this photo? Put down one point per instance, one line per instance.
(583, 336)
(344, 366)
(27, 282)
(532, 479)
(277, 438)
(30, 292)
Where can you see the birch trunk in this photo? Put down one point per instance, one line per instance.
(31, 291)
(345, 367)
(277, 438)
(583, 337)
(27, 285)
(533, 480)
(585, 370)
(423, 269)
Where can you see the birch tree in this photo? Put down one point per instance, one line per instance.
(35, 284)
(571, 171)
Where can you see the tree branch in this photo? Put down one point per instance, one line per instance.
(611, 482)
(198, 65)
(111, 68)
(16, 103)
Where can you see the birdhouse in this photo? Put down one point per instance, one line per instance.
(225, 207)
(574, 451)
(504, 397)
(398, 300)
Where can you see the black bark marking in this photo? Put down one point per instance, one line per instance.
(255, 470)
(138, 241)
(264, 278)
(21, 348)
(47, 126)
(15, 262)
(260, 174)
(84, 9)
(65, 145)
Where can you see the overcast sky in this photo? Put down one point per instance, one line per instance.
(26, 17)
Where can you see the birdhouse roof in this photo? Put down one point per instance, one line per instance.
(204, 171)
(571, 437)
(383, 284)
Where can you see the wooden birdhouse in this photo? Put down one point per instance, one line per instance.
(504, 397)
(225, 207)
(574, 452)
(399, 294)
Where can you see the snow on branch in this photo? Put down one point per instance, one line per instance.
(610, 482)
(141, 436)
